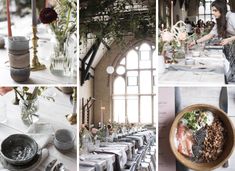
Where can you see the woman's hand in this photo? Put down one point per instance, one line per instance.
(225, 41)
(191, 44)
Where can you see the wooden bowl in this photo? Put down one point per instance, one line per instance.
(228, 147)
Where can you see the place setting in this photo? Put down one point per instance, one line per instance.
(31, 138)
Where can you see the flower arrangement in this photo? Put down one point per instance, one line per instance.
(62, 19)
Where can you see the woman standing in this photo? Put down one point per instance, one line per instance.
(224, 29)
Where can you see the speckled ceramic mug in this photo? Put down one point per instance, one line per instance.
(64, 139)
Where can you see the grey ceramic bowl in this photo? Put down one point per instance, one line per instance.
(19, 149)
(19, 61)
(18, 43)
(64, 139)
(20, 75)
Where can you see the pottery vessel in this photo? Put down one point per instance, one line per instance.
(19, 61)
(19, 149)
(20, 74)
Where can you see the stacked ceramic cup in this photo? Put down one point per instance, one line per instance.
(18, 51)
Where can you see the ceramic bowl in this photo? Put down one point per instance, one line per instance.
(19, 61)
(18, 43)
(228, 147)
(64, 139)
(20, 74)
(19, 149)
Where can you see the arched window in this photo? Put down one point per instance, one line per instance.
(134, 86)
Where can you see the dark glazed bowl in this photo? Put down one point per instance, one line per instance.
(19, 149)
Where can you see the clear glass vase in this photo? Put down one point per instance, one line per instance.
(28, 109)
(63, 58)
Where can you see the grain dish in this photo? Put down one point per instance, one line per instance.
(200, 136)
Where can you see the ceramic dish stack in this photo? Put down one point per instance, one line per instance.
(18, 51)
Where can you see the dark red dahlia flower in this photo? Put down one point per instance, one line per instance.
(47, 15)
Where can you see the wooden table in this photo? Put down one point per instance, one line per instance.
(207, 70)
(49, 112)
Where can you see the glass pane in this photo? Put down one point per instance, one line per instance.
(145, 82)
(132, 81)
(144, 55)
(146, 109)
(132, 60)
(154, 110)
(132, 109)
(154, 57)
(145, 64)
(132, 78)
(132, 89)
(155, 81)
(123, 61)
(119, 110)
(119, 86)
(145, 46)
(120, 70)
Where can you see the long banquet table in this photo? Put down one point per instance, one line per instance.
(108, 151)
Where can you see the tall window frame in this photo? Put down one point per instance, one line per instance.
(135, 93)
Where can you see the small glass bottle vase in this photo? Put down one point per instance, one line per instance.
(28, 110)
(62, 62)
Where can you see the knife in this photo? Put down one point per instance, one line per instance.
(50, 165)
(223, 104)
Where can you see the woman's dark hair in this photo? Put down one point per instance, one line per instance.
(221, 22)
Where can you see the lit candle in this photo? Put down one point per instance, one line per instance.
(34, 17)
(8, 19)
(162, 27)
(172, 14)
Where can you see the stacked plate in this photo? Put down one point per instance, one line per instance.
(18, 51)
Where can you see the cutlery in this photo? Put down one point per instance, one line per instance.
(59, 167)
(50, 165)
(223, 104)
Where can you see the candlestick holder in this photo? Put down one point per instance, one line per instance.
(36, 65)
(72, 118)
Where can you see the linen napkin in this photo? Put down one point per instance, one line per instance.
(42, 133)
